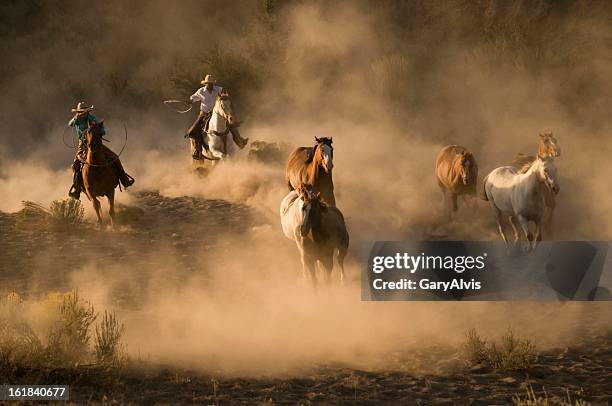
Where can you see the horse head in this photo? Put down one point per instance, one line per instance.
(223, 107)
(312, 206)
(463, 165)
(95, 131)
(547, 173)
(324, 153)
(548, 147)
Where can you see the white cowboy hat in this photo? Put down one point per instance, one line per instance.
(82, 107)
(209, 79)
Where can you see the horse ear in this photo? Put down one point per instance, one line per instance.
(542, 135)
(317, 139)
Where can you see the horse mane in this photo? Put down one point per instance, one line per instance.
(319, 141)
(525, 167)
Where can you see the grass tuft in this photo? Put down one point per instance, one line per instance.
(533, 399)
(512, 353)
(64, 214)
(109, 350)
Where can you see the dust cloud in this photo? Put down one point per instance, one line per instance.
(392, 83)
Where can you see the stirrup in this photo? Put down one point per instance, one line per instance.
(127, 181)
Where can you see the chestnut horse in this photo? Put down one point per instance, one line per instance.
(99, 177)
(312, 167)
(548, 147)
(318, 230)
(457, 171)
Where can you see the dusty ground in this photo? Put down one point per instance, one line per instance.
(34, 261)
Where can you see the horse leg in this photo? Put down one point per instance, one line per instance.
(538, 236)
(328, 265)
(514, 228)
(444, 199)
(111, 210)
(341, 255)
(548, 216)
(525, 226)
(498, 218)
(454, 201)
(96, 205)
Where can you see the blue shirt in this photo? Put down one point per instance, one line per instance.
(82, 123)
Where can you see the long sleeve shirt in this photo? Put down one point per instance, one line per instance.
(82, 123)
(207, 99)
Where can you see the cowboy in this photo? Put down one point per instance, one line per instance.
(207, 96)
(81, 121)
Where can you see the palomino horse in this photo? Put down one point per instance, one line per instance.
(519, 196)
(99, 177)
(312, 167)
(220, 145)
(457, 171)
(548, 147)
(317, 229)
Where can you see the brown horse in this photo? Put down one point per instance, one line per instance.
(99, 177)
(318, 230)
(548, 147)
(312, 167)
(457, 171)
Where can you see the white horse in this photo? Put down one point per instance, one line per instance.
(317, 229)
(220, 141)
(517, 194)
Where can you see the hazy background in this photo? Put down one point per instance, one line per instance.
(392, 82)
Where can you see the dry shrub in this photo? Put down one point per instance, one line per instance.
(64, 214)
(532, 399)
(511, 353)
(109, 350)
(67, 341)
(68, 338)
(19, 345)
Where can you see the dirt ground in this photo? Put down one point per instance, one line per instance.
(35, 261)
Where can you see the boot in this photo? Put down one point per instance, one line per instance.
(240, 142)
(125, 179)
(76, 188)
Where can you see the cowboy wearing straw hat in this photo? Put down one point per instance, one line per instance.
(81, 120)
(207, 96)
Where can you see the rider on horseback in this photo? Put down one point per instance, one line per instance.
(207, 95)
(80, 122)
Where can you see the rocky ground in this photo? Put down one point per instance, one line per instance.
(34, 259)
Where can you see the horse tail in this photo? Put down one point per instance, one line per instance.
(483, 194)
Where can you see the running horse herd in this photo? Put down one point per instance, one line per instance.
(521, 192)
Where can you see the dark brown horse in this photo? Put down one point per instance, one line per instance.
(312, 167)
(99, 177)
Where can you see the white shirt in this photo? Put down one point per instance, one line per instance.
(207, 99)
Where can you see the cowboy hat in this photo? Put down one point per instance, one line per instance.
(82, 107)
(208, 79)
